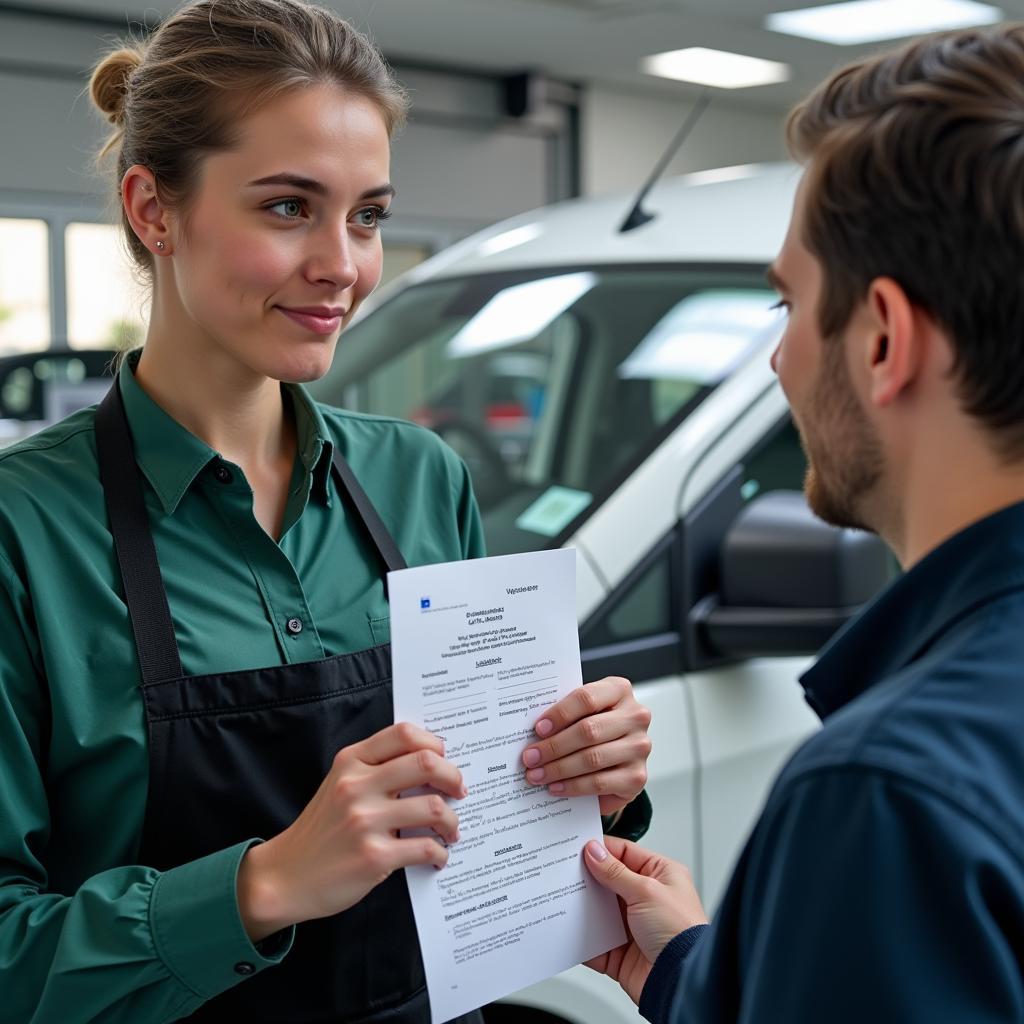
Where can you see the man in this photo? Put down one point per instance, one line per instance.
(884, 880)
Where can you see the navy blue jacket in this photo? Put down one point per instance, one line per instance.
(884, 880)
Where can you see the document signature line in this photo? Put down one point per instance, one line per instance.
(457, 707)
(447, 700)
(529, 682)
(518, 697)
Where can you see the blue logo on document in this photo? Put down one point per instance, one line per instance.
(424, 603)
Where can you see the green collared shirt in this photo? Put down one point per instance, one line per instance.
(82, 935)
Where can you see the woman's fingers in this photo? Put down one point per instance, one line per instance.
(594, 742)
(420, 768)
(421, 850)
(623, 783)
(386, 854)
(600, 728)
(394, 741)
(583, 702)
(592, 759)
(430, 811)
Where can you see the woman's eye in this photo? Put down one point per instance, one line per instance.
(781, 304)
(372, 216)
(289, 208)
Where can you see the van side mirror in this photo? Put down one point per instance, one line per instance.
(787, 580)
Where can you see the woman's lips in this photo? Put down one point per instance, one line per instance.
(318, 323)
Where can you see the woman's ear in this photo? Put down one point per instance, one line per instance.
(145, 212)
(893, 344)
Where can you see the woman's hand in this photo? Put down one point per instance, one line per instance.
(593, 741)
(345, 841)
(658, 901)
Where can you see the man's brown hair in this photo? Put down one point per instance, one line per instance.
(916, 165)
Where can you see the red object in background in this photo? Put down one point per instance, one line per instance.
(500, 413)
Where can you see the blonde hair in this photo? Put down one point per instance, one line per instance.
(181, 95)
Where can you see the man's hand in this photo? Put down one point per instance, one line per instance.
(658, 901)
(593, 741)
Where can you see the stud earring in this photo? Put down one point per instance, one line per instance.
(161, 246)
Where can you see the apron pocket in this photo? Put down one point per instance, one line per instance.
(380, 628)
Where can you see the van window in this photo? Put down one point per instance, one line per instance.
(778, 464)
(645, 608)
(552, 384)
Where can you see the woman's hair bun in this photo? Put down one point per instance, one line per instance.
(109, 83)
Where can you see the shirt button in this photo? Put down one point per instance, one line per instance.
(223, 474)
(244, 967)
(295, 626)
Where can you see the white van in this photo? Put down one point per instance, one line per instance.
(611, 392)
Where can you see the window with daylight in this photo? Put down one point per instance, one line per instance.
(24, 285)
(108, 305)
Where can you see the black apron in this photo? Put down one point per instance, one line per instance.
(237, 755)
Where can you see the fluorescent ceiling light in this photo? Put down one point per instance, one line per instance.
(868, 21)
(519, 313)
(715, 67)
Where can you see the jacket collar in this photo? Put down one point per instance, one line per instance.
(974, 567)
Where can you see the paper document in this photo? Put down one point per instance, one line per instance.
(479, 649)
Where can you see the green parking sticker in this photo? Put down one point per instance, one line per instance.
(554, 510)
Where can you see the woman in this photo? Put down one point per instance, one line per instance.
(212, 534)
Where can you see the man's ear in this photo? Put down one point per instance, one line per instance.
(144, 210)
(893, 347)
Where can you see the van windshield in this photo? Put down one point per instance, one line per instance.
(552, 385)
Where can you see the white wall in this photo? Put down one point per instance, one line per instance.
(623, 134)
(47, 131)
(459, 164)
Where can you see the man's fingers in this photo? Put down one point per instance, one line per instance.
(613, 874)
(660, 899)
(582, 702)
(420, 768)
(622, 849)
(607, 963)
(394, 741)
(642, 861)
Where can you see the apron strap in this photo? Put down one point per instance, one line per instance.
(136, 554)
(143, 584)
(378, 532)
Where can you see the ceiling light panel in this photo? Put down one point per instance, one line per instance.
(869, 21)
(718, 68)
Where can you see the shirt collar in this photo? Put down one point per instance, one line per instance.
(316, 449)
(171, 457)
(972, 568)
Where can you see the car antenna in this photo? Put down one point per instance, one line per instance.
(638, 215)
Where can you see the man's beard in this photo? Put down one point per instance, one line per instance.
(844, 455)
